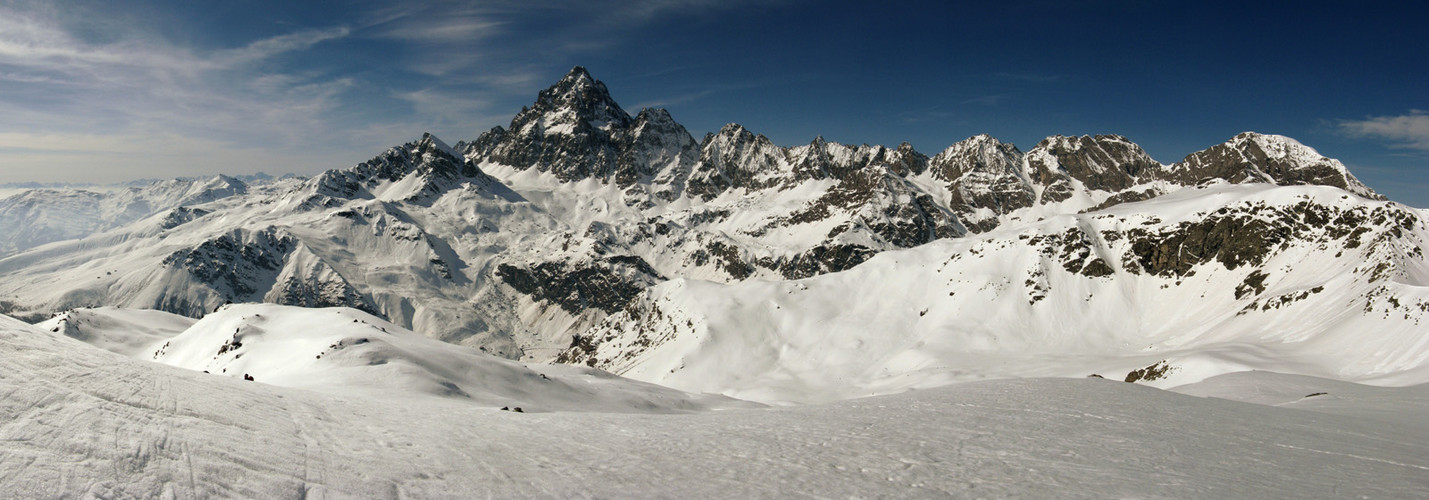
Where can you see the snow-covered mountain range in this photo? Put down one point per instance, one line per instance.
(730, 264)
(589, 304)
(44, 215)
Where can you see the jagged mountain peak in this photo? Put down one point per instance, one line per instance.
(732, 130)
(429, 164)
(975, 141)
(227, 179)
(736, 136)
(219, 181)
(979, 153)
(978, 144)
(654, 115)
(577, 96)
(1269, 158)
(574, 131)
(659, 122)
(1100, 153)
(579, 75)
(904, 160)
(1276, 146)
(430, 142)
(984, 179)
(1065, 166)
(1076, 142)
(427, 154)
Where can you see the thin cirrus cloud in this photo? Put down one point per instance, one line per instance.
(447, 31)
(1409, 131)
(443, 39)
(73, 104)
(448, 110)
(269, 47)
(34, 50)
(37, 43)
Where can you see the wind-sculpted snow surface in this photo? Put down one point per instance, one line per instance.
(79, 422)
(1305, 280)
(340, 351)
(131, 332)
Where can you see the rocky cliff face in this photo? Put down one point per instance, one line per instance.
(575, 131)
(985, 180)
(568, 132)
(1061, 166)
(267, 265)
(1252, 157)
(734, 158)
(423, 169)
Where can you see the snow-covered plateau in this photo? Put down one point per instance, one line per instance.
(590, 304)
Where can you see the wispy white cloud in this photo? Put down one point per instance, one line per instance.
(444, 38)
(451, 115)
(523, 80)
(28, 40)
(136, 94)
(269, 47)
(692, 96)
(620, 12)
(462, 29)
(1409, 131)
(454, 37)
(446, 109)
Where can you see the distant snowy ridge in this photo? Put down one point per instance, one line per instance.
(38, 216)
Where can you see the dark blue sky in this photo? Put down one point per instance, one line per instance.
(118, 90)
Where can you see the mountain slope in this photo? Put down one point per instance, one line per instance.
(1211, 280)
(130, 332)
(341, 351)
(39, 216)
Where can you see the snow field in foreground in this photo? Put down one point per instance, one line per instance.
(77, 421)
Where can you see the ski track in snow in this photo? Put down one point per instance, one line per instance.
(78, 422)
